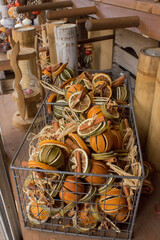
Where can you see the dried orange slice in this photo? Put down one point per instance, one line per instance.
(77, 104)
(78, 140)
(95, 110)
(62, 67)
(52, 98)
(72, 89)
(102, 89)
(86, 128)
(84, 162)
(35, 164)
(109, 110)
(65, 149)
(102, 77)
(101, 143)
(36, 214)
(67, 82)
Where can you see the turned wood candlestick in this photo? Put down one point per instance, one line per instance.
(26, 98)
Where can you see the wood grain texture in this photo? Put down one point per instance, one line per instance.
(53, 15)
(18, 76)
(125, 60)
(112, 23)
(148, 6)
(26, 38)
(51, 39)
(125, 38)
(144, 93)
(102, 53)
(66, 44)
(4, 62)
(153, 140)
(149, 23)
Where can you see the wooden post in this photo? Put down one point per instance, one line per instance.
(144, 91)
(66, 44)
(51, 39)
(43, 6)
(111, 23)
(76, 12)
(153, 140)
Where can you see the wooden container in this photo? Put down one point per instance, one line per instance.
(51, 39)
(66, 44)
(153, 140)
(144, 90)
(26, 38)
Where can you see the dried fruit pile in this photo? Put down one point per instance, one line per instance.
(91, 141)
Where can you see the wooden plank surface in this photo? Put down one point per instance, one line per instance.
(147, 221)
(149, 23)
(125, 38)
(4, 62)
(125, 60)
(149, 6)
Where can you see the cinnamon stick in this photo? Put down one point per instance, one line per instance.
(118, 81)
(109, 106)
(71, 144)
(56, 126)
(78, 99)
(102, 86)
(127, 194)
(111, 160)
(126, 123)
(56, 67)
(96, 121)
(78, 158)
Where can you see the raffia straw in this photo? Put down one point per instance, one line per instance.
(52, 88)
(132, 162)
(88, 84)
(133, 183)
(46, 133)
(71, 127)
(70, 115)
(128, 139)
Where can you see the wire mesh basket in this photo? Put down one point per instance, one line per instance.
(71, 203)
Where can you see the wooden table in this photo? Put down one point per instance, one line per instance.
(4, 62)
(147, 221)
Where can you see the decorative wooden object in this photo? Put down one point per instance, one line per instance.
(26, 104)
(51, 39)
(153, 140)
(26, 38)
(66, 44)
(76, 12)
(111, 23)
(144, 91)
(44, 6)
